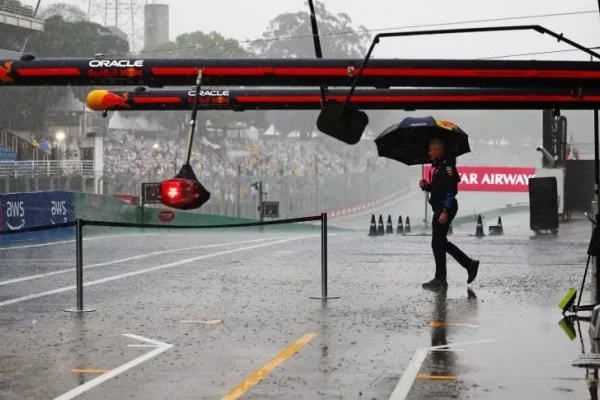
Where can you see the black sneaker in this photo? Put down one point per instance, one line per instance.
(473, 268)
(435, 284)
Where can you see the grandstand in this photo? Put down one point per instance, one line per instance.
(17, 22)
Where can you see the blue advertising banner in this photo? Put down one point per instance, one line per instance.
(28, 210)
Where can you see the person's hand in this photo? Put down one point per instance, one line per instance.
(422, 183)
(443, 217)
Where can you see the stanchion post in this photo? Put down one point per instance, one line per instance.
(324, 255)
(79, 269)
(324, 259)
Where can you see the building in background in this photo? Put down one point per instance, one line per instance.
(17, 22)
(156, 25)
(139, 20)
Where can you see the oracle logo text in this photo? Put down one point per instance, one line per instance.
(116, 63)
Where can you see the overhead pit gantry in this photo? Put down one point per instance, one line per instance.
(474, 84)
(146, 99)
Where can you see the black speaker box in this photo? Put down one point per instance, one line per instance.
(543, 204)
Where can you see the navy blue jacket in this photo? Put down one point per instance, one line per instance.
(443, 186)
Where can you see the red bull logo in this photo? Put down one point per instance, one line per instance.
(221, 100)
(116, 73)
(446, 124)
(5, 73)
(101, 100)
(132, 72)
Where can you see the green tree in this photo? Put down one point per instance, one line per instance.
(206, 45)
(290, 35)
(24, 108)
(68, 12)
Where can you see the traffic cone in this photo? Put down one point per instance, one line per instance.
(380, 231)
(497, 230)
(389, 228)
(479, 231)
(400, 229)
(407, 228)
(373, 227)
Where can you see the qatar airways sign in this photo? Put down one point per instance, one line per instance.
(492, 179)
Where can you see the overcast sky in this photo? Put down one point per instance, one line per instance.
(245, 20)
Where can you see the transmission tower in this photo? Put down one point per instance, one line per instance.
(125, 15)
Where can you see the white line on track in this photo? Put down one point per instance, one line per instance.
(414, 366)
(159, 347)
(31, 246)
(122, 260)
(152, 269)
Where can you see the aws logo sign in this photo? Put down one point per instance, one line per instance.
(13, 213)
(59, 212)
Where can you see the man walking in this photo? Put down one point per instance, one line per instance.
(443, 189)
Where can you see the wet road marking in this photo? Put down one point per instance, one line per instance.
(437, 377)
(208, 322)
(262, 373)
(160, 347)
(32, 246)
(132, 258)
(439, 324)
(411, 372)
(89, 371)
(147, 270)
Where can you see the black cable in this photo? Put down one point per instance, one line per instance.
(535, 53)
(375, 30)
(190, 146)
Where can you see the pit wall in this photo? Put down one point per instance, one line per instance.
(27, 210)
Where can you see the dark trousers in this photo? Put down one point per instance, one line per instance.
(441, 245)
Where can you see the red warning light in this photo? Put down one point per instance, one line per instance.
(183, 194)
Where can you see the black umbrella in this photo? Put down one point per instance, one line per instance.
(408, 141)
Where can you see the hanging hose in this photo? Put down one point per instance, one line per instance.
(193, 120)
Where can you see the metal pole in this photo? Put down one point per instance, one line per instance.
(316, 183)
(597, 184)
(79, 268)
(79, 265)
(260, 205)
(260, 201)
(239, 190)
(324, 255)
(324, 259)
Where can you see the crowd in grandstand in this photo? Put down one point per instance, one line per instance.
(128, 158)
(289, 163)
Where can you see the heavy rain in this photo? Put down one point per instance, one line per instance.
(293, 263)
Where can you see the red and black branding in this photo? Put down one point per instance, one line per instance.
(367, 99)
(382, 73)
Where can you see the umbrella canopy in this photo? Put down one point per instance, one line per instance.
(408, 141)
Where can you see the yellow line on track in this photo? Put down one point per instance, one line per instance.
(90, 371)
(437, 377)
(262, 373)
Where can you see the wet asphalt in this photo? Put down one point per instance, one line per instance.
(229, 302)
